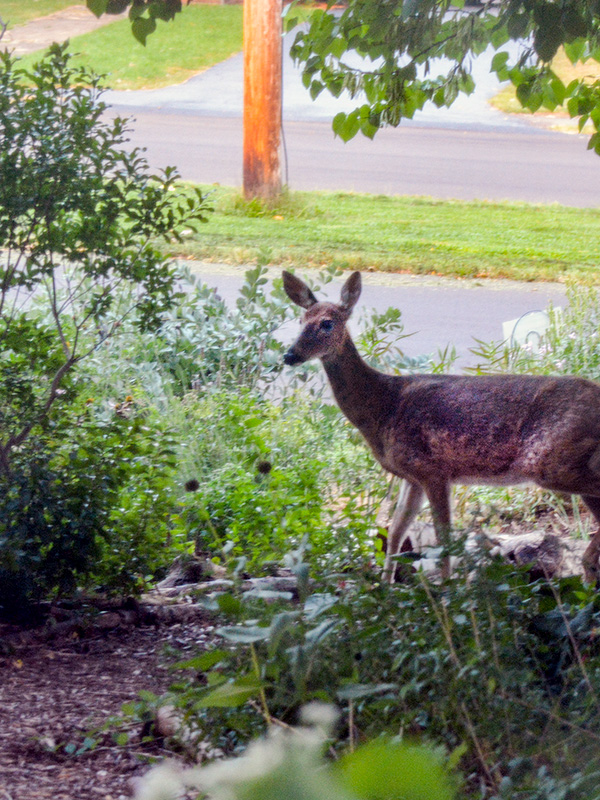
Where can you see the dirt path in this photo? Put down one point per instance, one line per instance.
(51, 693)
(41, 33)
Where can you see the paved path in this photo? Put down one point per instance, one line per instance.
(218, 92)
(529, 165)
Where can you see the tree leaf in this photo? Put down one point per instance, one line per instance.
(383, 770)
(142, 27)
(499, 64)
(97, 7)
(575, 50)
(346, 126)
(573, 23)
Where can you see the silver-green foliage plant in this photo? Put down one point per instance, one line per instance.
(500, 672)
(201, 346)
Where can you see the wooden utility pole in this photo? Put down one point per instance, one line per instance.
(262, 98)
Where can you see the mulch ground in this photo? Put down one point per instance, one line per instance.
(53, 691)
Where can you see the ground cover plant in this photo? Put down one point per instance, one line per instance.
(403, 234)
(498, 672)
(199, 37)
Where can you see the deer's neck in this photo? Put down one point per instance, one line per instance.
(363, 394)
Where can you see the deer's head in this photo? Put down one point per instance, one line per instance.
(324, 324)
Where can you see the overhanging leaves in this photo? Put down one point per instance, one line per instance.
(399, 54)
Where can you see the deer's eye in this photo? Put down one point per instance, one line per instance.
(326, 324)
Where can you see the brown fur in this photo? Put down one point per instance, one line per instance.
(436, 430)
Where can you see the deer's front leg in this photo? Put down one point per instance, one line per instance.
(438, 495)
(410, 499)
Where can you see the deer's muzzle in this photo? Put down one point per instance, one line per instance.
(291, 357)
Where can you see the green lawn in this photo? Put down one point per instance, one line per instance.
(197, 38)
(17, 12)
(404, 234)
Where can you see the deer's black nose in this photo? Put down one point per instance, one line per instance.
(291, 358)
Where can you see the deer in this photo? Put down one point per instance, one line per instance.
(437, 430)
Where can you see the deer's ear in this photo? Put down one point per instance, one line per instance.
(298, 291)
(351, 292)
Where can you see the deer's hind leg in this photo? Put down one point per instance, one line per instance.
(591, 556)
(407, 507)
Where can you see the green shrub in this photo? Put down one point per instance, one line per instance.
(84, 494)
(267, 475)
(86, 504)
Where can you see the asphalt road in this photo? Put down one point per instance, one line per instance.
(525, 165)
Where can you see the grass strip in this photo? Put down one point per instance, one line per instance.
(403, 234)
(199, 37)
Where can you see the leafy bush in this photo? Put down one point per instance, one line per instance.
(266, 471)
(80, 216)
(269, 474)
(86, 504)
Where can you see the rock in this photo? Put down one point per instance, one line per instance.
(548, 554)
